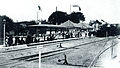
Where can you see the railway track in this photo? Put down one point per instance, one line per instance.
(52, 53)
(92, 64)
(46, 54)
(30, 46)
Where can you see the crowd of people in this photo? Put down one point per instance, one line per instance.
(19, 40)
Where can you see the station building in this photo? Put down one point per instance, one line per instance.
(67, 29)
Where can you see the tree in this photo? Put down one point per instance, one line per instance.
(57, 17)
(8, 23)
(113, 30)
(20, 27)
(76, 17)
(103, 31)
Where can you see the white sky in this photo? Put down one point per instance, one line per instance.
(26, 10)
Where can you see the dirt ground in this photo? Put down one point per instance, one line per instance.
(79, 57)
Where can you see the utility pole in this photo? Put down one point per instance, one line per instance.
(4, 21)
(70, 8)
(38, 13)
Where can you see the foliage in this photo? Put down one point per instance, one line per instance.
(76, 17)
(8, 23)
(59, 17)
(111, 30)
(20, 27)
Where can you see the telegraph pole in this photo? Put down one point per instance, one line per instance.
(4, 21)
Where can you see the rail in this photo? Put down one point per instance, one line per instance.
(99, 54)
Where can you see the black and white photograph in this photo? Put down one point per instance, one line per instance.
(59, 34)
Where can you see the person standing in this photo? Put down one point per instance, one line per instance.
(10, 40)
(65, 60)
(29, 39)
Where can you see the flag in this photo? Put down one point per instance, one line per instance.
(79, 9)
(77, 6)
(39, 7)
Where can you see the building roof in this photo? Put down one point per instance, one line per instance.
(46, 26)
(84, 25)
(67, 24)
(70, 24)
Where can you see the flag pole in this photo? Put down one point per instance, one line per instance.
(37, 15)
(70, 8)
(38, 12)
(56, 8)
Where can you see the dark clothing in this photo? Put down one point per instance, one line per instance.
(16, 40)
(29, 39)
(35, 40)
(10, 41)
(63, 35)
(22, 41)
(71, 35)
(89, 34)
(65, 61)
